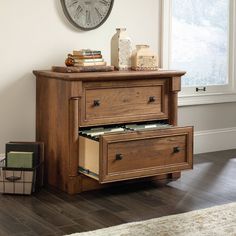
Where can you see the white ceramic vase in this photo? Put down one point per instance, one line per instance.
(121, 50)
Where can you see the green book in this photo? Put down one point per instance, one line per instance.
(19, 160)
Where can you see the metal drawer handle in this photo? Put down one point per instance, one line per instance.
(176, 149)
(96, 103)
(119, 157)
(152, 99)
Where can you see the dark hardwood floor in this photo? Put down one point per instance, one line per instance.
(50, 212)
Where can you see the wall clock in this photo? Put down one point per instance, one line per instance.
(87, 14)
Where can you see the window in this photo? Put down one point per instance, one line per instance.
(198, 38)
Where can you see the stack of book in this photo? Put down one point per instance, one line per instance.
(21, 172)
(86, 57)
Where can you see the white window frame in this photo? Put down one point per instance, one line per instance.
(214, 94)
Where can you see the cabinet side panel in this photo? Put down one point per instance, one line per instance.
(89, 154)
(52, 128)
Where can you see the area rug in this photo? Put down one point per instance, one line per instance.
(218, 220)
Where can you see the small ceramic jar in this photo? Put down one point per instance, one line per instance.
(121, 50)
(144, 59)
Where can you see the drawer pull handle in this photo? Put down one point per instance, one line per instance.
(176, 149)
(119, 157)
(96, 103)
(12, 178)
(152, 99)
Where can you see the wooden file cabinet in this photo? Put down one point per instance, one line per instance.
(70, 102)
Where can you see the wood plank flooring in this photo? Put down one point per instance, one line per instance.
(50, 212)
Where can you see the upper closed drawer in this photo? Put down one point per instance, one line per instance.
(118, 102)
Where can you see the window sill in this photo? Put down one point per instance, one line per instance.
(204, 99)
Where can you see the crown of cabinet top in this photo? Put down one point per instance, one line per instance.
(114, 75)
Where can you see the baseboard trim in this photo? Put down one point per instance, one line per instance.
(214, 140)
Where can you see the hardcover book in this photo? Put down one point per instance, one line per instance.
(79, 69)
(86, 52)
(25, 147)
(85, 57)
(20, 160)
(90, 64)
(89, 60)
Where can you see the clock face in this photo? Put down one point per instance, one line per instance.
(87, 14)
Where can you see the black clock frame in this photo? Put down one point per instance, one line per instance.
(80, 27)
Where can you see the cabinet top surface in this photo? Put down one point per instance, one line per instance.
(114, 75)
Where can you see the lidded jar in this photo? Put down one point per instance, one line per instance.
(144, 59)
(121, 50)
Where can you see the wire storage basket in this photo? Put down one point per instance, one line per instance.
(16, 181)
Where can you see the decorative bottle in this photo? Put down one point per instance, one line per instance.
(121, 50)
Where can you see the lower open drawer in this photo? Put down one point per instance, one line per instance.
(135, 154)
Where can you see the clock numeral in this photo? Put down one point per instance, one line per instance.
(104, 2)
(78, 11)
(73, 3)
(98, 12)
(88, 17)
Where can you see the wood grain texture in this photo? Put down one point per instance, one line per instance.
(73, 159)
(175, 87)
(146, 153)
(55, 126)
(79, 69)
(64, 105)
(106, 76)
(51, 212)
(121, 102)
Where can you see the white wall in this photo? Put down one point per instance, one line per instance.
(209, 117)
(35, 35)
(214, 125)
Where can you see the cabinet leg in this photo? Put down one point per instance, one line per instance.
(175, 175)
(74, 185)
